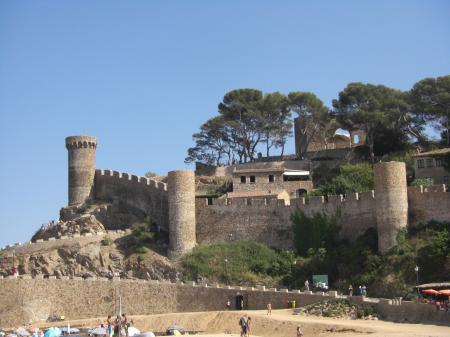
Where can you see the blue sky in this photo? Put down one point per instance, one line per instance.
(143, 75)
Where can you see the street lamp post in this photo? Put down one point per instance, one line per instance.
(226, 269)
(416, 269)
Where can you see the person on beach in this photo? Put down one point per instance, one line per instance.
(109, 326)
(243, 324)
(249, 321)
(269, 309)
(228, 304)
(350, 290)
(299, 331)
(307, 285)
(117, 326)
(125, 324)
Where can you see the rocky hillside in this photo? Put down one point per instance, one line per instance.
(86, 242)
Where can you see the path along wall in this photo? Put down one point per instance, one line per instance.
(142, 193)
(25, 300)
(268, 220)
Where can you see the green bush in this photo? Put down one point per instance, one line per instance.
(140, 258)
(237, 262)
(423, 182)
(351, 178)
(311, 234)
(141, 236)
(107, 241)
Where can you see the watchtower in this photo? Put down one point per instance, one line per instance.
(391, 199)
(81, 151)
(181, 195)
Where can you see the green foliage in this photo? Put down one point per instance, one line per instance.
(142, 236)
(382, 112)
(352, 178)
(140, 258)
(237, 262)
(107, 241)
(430, 99)
(423, 182)
(365, 311)
(313, 235)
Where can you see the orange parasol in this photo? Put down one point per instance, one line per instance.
(430, 292)
(445, 292)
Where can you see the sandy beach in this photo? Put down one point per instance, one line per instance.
(280, 324)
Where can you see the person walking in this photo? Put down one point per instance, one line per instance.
(307, 285)
(125, 324)
(243, 324)
(228, 304)
(299, 331)
(269, 309)
(350, 290)
(249, 323)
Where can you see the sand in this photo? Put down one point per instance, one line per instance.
(280, 324)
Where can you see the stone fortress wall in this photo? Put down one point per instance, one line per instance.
(148, 195)
(26, 299)
(191, 221)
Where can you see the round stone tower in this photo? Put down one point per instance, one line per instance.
(81, 167)
(391, 199)
(181, 194)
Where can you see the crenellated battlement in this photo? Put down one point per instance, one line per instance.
(333, 201)
(80, 142)
(126, 177)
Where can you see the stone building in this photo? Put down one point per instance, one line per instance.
(430, 165)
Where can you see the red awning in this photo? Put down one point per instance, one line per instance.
(430, 292)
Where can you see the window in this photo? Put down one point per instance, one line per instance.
(429, 162)
(271, 180)
(420, 163)
(242, 179)
(210, 201)
(438, 162)
(252, 179)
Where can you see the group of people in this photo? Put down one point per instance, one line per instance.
(117, 327)
(362, 290)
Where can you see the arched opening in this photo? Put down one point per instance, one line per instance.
(239, 302)
(301, 192)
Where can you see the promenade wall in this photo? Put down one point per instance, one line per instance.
(25, 299)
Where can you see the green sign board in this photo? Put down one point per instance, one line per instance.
(320, 281)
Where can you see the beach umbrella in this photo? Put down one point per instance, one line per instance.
(22, 332)
(132, 331)
(99, 331)
(430, 292)
(145, 334)
(445, 292)
(53, 332)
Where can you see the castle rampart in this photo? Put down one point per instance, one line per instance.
(428, 203)
(81, 151)
(147, 195)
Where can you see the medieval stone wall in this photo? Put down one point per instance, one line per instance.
(26, 299)
(428, 203)
(268, 220)
(145, 194)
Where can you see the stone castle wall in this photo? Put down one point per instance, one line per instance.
(428, 203)
(268, 220)
(147, 195)
(26, 299)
